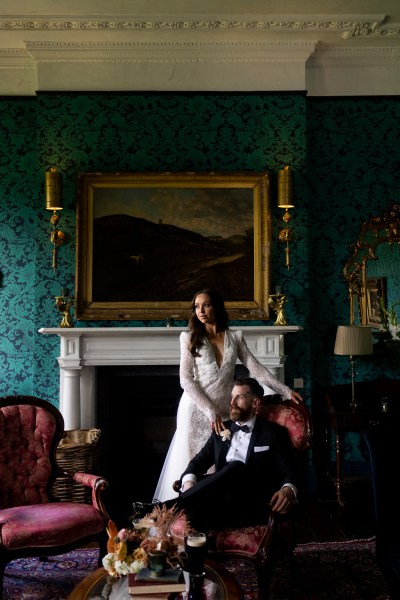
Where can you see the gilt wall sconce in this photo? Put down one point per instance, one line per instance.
(285, 200)
(54, 203)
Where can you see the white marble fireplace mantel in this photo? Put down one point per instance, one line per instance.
(82, 349)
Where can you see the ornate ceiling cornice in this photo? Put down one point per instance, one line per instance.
(200, 52)
(278, 51)
(206, 52)
(355, 57)
(353, 26)
(16, 58)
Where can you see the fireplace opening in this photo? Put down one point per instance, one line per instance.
(136, 412)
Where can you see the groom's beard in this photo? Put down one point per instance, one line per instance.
(241, 414)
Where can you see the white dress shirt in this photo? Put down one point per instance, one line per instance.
(240, 442)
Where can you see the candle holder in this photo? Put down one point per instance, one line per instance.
(277, 302)
(64, 304)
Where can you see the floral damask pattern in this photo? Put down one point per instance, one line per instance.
(346, 160)
(18, 172)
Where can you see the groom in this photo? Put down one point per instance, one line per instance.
(255, 470)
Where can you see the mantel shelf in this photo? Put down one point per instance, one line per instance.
(137, 331)
(82, 349)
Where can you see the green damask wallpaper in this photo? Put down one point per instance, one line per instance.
(346, 160)
(159, 132)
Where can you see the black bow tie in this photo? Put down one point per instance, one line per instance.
(236, 427)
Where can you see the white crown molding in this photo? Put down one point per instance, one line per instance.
(351, 26)
(216, 65)
(353, 72)
(388, 31)
(17, 58)
(170, 66)
(174, 52)
(354, 57)
(36, 52)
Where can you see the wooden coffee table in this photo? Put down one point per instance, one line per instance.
(220, 585)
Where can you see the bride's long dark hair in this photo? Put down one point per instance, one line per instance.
(197, 328)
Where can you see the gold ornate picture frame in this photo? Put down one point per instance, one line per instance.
(146, 242)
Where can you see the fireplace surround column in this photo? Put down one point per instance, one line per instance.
(82, 349)
(70, 402)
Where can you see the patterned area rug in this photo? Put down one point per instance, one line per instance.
(54, 579)
(334, 571)
(329, 571)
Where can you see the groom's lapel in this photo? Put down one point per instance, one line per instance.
(254, 433)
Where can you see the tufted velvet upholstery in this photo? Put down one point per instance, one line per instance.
(26, 436)
(32, 522)
(294, 417)
(247, 542)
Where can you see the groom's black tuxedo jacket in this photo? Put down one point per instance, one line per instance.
(270, 460)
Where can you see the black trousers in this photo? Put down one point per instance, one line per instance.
(224, 498)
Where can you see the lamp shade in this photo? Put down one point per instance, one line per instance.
(353, 341)
(53, 189)
(285, 188)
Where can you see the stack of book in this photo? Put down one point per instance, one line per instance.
(145, 586)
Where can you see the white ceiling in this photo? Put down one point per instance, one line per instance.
(325, 47)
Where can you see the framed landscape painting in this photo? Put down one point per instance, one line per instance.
(146, 242)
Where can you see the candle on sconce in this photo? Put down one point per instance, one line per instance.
(285, 188)
(278, 290)
(64, 292)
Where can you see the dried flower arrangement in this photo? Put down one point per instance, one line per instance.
(128, 548)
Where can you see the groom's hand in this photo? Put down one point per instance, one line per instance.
(282, 500)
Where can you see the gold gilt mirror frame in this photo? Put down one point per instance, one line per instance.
(377, 230)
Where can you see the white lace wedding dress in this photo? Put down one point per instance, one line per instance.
(207, 392)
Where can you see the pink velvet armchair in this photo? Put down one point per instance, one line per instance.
(32, 521)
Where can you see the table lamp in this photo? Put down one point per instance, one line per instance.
(353, 341)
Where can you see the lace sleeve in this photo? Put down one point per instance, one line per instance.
(258, 371)
(191, 387)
